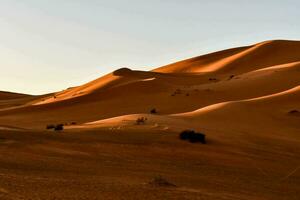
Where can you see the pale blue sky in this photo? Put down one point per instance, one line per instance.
(48, 46)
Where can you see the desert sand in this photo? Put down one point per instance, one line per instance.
(245, 100)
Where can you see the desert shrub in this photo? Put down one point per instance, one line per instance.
(153, 111)
(231, 77)
(73, 123)
(294, 112)
(186, 134)
(141, 120)
(50, 126)
(213, 79)
(192, 136)
(198, 137)
(59, 127)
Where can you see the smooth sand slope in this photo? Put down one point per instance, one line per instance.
(253, 57)
(246, 101)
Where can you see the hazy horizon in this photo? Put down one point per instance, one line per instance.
(49, 46)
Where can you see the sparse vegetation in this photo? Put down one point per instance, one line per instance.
(192, 136)
(159, 181)
(213, 79)
(141, 120)
(59, 127)
(176, 92)
(153, 111)
(231, 77)
(50, 126)
(294, 112)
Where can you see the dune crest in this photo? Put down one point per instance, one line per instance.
(240, 60)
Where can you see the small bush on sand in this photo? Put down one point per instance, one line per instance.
(213, 79)
(59, 127)
(141, 120)
(294, 112)
(153, 111)
(192, 136)
(231, 77)
(159, 181)
(50, 126)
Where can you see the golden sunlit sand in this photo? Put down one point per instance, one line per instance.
(245, 100)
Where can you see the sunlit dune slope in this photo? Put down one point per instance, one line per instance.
(115, 79)
(272, 114)
(240, 60)
(238, 74)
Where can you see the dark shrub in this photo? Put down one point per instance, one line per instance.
(198, 137)
(185, 135)
(141, 120)
(231, 77)
(153, 111)
(73, 123)
(50, 126)
(192, 136)
(59, 127)
(294, 112)
(213, 79)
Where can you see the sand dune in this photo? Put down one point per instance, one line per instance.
(240, 60)
(270, 114)
(126, 91)
(10, 95)
(246, 101)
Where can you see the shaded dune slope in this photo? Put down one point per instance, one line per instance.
(9, 95)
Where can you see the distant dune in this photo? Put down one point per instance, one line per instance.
(10, 95)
